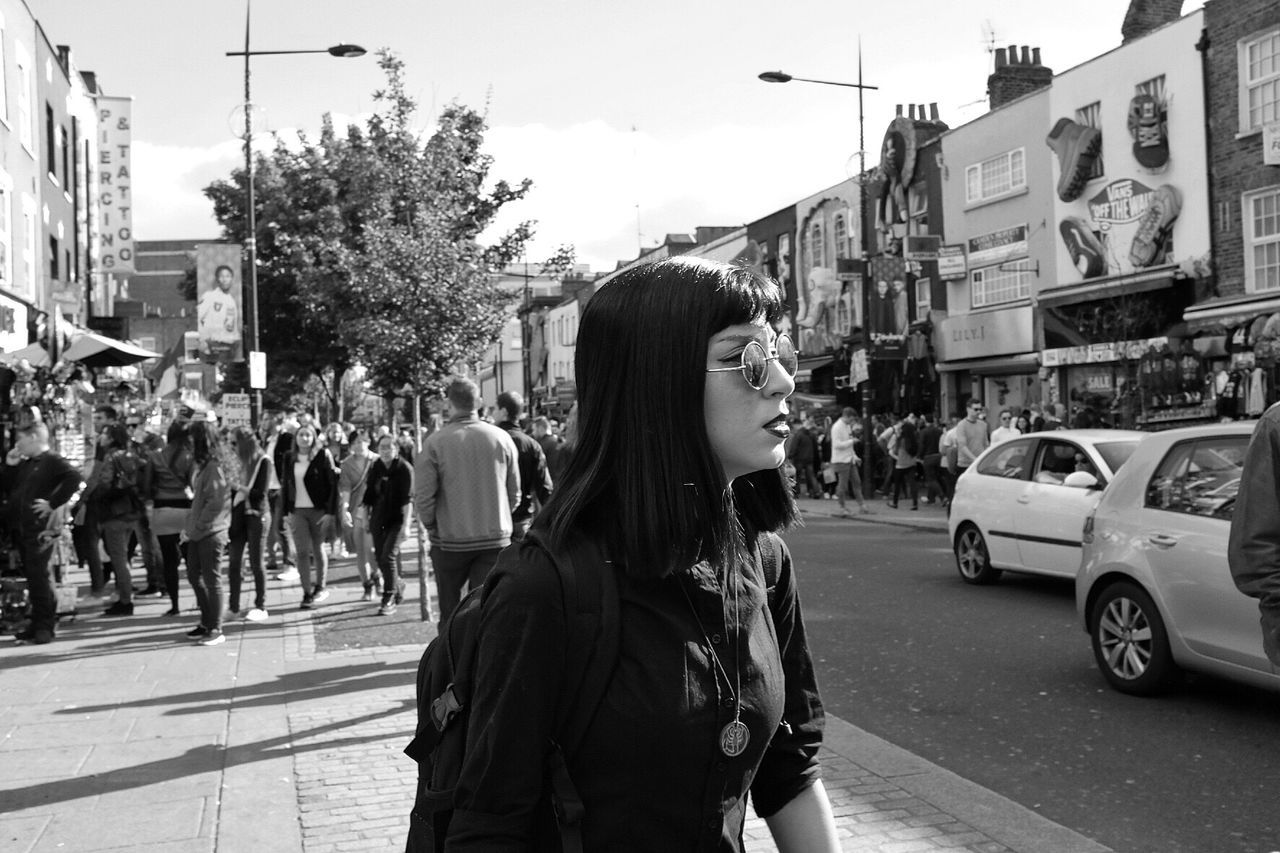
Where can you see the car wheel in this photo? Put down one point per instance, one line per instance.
(1129, 641)
(972, 558)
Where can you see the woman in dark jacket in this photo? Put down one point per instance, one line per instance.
(387, 496)
(115, 487)
(167, 496)
(249, 517)
(309, 492)
(206, 532)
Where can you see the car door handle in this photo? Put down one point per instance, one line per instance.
(1162, 540)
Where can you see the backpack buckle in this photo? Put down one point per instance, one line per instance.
(444, 708)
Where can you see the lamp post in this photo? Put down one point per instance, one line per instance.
(342, 51)
(783, 77)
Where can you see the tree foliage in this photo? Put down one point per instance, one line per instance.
(369, 246)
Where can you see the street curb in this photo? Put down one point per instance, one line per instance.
(996, 816)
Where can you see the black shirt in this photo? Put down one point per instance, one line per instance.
(46, 476)
(534, 479)
(650, 770)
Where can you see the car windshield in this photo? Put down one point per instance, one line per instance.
(1116, 452)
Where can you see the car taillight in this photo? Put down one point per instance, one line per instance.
(1086, 535)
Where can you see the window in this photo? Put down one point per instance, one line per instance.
(1261, 218)
(23, 64)
(6, 230)
(1259, 69)
(50, 143)
(1008, 461)
(28, 244)
(1153, 87)
(4, 88)
(841, 232)
(53, 259)
(1199, 477)
(1007, 282)
(924, 298)
(817, 249)
(1091, 116)
(64, 149)
(1057, 459)
(995, 177)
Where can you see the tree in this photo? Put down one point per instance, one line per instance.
(368, 247)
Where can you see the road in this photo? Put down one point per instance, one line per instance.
(998, 685)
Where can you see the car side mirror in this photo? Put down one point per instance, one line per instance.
(1081, 480)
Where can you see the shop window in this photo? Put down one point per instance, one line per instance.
(817, 249)
(1008, 461)
(1199, 478)
(1007, 282)
(1091, 116)
(998, 176)
(1261, 215)
(1259, 69)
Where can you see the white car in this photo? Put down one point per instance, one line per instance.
(1154, 590)
(1022, 504)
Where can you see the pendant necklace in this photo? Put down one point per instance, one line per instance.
(735, 735)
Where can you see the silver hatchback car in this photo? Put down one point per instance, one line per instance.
(1154, 591)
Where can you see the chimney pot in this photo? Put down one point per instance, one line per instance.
(1013, 54)
(899, 108)
(911, 111)
(1026, 55)
(1035, 56)
(933, 111)
(1001, 59)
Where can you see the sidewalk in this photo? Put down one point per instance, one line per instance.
(122, 735)
(928, 517)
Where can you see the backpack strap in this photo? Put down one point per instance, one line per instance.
(768, 545)
(592, 610)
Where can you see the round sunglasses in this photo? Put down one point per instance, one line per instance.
(755, 361)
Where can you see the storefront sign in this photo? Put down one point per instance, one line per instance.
(1099, 353)
(13, 324)
(1271, 144)
(997, 247)
(922, 247)
(1120, 201)
(986, 334)
(115, 184)
(951, 262)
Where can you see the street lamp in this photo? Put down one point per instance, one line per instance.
(783, 77)
(341, 51)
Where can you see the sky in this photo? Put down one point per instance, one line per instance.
(632, 119)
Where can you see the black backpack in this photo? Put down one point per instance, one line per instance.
(444, 687)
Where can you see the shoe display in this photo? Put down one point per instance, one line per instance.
(1149, 131)
(1077, 147)
(320, 594)
(1087, 254)
(288, 575)
(212, 640)
(120, 608)
(198, 631)
(257, 614)
(1154, 226)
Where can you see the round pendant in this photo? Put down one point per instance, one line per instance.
(734, 738)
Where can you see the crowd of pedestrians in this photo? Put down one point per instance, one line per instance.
(916, 456)
(234, 506)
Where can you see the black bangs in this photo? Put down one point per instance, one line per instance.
(745, 296)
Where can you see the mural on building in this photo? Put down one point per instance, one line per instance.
(828, 303)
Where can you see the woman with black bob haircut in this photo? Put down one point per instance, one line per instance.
(675, 488)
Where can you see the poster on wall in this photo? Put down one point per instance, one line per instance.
(219, 302)
(890, 308)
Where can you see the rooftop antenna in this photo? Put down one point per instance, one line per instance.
(989, 38)
(635, 153)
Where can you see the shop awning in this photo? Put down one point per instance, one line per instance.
(1107, 288)
(1022, 363)
(1221, 314)
(94, 350)
(36, 356)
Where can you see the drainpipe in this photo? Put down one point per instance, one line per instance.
(1203, 47)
